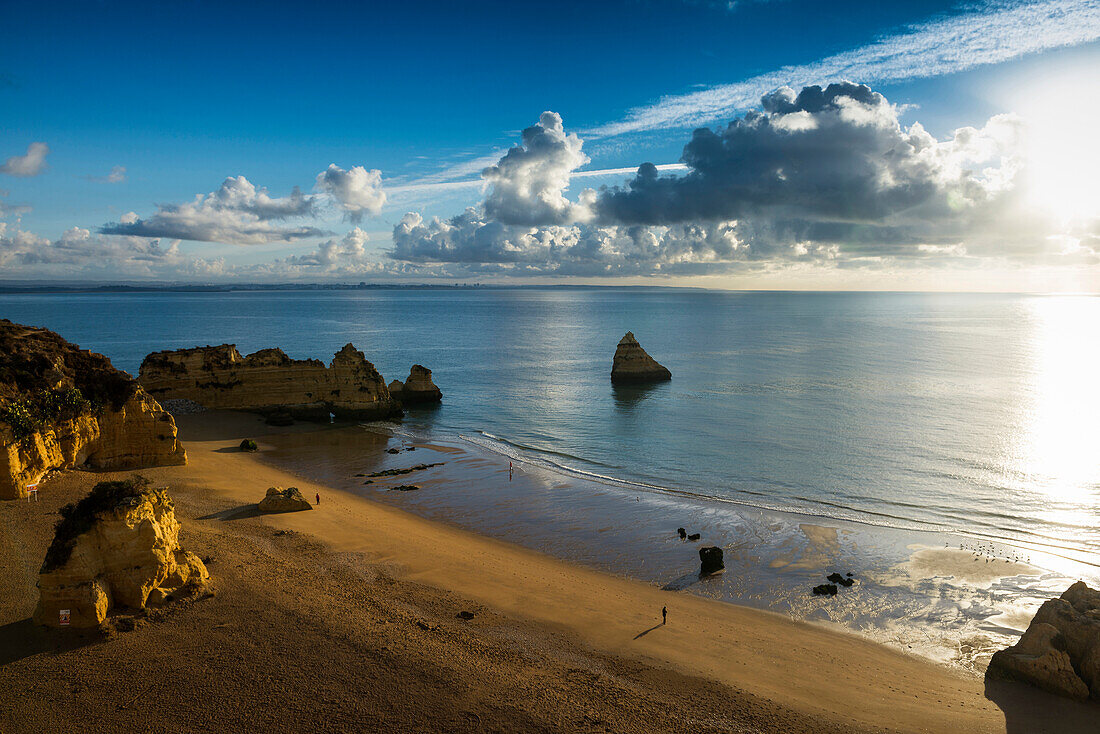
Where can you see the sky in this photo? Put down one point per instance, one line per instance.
(748, 144)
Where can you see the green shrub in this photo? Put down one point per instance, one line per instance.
(36, 412)
(77, 519)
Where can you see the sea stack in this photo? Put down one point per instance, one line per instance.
(271, 383)
(63, 407)
(418, 388)
(633, 365)
(117, 547)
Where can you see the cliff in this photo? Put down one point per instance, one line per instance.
(63, 407)
(632, 364)
(269, 381)
(1060, 650)
(418, 388)
(117, 547)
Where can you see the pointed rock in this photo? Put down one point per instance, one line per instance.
(632, 364)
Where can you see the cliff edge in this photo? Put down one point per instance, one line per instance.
(632, 364)
(63, 407)
(269, 381)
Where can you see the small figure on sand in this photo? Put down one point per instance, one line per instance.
(664, 615)
(509, 471)
(318, 498)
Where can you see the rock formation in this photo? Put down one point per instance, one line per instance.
(1060, 650)
(710, 560)
(418, 388)
(63, 407)
(117, 547)
(270, 382)
(632, 364)
(284, 500)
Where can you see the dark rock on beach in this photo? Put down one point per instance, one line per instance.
(404, 488)
(825, 590)
(710, 560)
(836, 578)
(694, 536)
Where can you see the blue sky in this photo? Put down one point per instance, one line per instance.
(184, 95)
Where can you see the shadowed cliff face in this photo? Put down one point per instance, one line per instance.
(63, 407)
(268, 380)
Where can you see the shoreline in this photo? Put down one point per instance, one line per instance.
(553, 604)
(912, 593)
(826, 678)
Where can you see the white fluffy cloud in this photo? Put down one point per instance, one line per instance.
(79, 250)
(529, 181)
(31, 163)
(237, 213)
(356, 191)
(828, 176)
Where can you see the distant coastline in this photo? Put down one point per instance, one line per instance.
(71, 287)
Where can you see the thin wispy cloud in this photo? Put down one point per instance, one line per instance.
(997, 32)
(428, 186)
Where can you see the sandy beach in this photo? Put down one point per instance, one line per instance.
(344, 618)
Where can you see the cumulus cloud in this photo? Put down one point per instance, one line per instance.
(529, 181)
(825, 175)
(31, 163)
(81, 250)
(334, 254)
(237, 213)
(829, 156)
(357, 191)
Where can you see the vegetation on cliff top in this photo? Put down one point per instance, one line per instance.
(79, 518)
(39, 370)
(38, 411)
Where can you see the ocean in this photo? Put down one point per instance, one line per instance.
(905, 422)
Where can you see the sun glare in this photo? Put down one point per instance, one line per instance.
(1062, 154)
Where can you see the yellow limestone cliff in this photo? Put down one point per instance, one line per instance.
(62, 407)
(268, 381)
(117, 547)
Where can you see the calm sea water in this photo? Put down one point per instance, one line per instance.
(974, 414)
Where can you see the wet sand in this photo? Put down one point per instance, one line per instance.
(343, 618)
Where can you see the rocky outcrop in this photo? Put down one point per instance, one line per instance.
(283, 500)
(633, 365)
(63, 407)
(117, 547)
(1060, 650)
(270, 382)
(418, 388)
(710, 560)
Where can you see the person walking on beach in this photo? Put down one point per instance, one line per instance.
(664, 615)
(318, 498)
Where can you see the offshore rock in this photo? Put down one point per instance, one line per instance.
(284, 500)
(418, 388)
(63, 407)
(271, 383)
(1060, 650)
(119, 546)
(632, 364)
